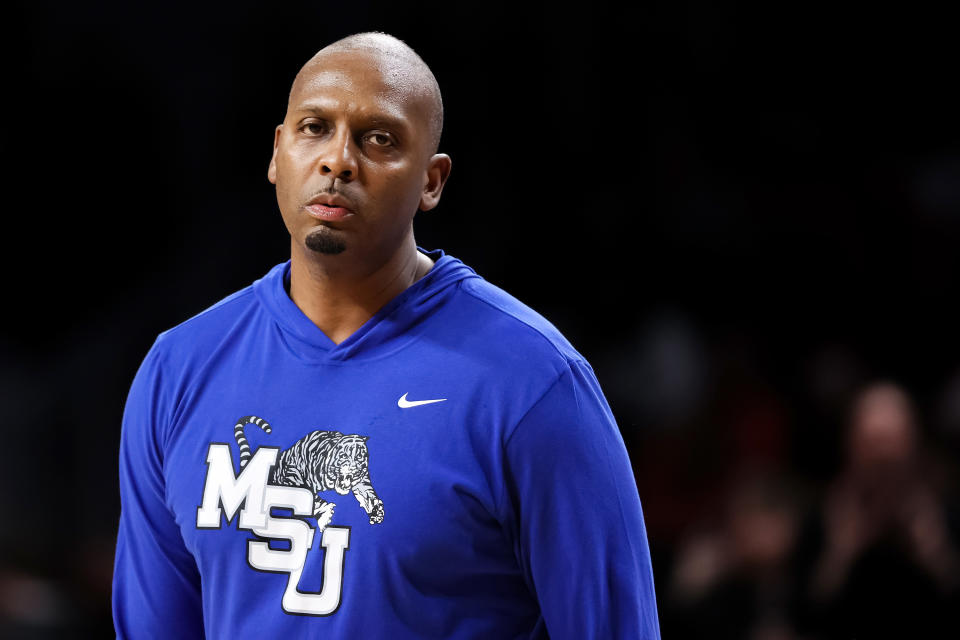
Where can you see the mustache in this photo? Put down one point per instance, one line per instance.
(329, 190)
(332, 197)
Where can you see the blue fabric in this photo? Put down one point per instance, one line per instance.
(507, 506)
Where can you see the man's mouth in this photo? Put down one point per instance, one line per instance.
(329, 206)
(327, 212)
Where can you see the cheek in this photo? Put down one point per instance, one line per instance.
(285, 179)
(400, 185)
(293, 170)
(290, 194)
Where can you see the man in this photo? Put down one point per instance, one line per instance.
(371, 440)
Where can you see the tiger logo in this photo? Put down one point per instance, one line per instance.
(320, 461)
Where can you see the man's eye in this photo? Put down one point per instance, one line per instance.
(314, 128)
(379, 139)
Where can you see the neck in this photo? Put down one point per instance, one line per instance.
(339, 293)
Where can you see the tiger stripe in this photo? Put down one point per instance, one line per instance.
(240, 435)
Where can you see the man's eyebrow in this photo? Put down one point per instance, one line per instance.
(312, 108)
(381, 118)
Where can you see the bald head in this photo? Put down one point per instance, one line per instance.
(397, 61)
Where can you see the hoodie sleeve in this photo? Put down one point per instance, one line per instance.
(581, 542)
(156, 584)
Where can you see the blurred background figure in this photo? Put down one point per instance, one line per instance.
(887, 561)
(739, 580)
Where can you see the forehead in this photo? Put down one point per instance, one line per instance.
(362, 80)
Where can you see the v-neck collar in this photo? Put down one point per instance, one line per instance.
(388, 330)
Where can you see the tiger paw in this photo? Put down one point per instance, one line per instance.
(323, 513)
(376, 515)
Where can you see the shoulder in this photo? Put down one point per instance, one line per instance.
(179, 355)
(505, 325)
(207, 328)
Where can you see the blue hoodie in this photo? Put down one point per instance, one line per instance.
(450, 470)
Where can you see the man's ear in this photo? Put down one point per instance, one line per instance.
(272, 169)
(438, 170)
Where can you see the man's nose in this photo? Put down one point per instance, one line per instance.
(339, 159)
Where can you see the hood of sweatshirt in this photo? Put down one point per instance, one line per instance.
(394, 326)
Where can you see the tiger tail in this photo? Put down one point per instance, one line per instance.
(242, 438)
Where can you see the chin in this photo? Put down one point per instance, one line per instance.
(322, 240)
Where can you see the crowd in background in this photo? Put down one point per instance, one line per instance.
(829, 513)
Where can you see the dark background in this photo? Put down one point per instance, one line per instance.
(737, 213)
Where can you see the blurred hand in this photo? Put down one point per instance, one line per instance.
(849, 525)
(700, 565)
(924, 525)
(848, 530)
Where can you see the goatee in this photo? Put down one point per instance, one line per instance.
(322, 241)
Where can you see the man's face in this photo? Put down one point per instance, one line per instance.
(350, 159)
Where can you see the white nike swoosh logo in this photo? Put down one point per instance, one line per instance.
(403, 403)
